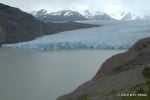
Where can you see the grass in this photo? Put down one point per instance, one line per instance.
(140, 90)
(84, 97)
(136, 98)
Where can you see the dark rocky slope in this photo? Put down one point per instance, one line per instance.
(18, 26)
(59, 27)
(122, 73)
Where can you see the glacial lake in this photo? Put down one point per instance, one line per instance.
(45, 75)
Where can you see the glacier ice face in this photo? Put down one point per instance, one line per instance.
(111, 35)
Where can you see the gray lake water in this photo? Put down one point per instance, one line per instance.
(35, 75)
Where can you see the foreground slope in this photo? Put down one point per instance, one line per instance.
(122, 73)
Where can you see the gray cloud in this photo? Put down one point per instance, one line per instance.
(110, 6)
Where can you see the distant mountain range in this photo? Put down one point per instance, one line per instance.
(65, 15)
(96, 15)
(69, 15)
(123, 15)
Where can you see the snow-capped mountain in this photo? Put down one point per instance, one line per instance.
(69, 15)
(97, 15)
(124, 15)
(39, 13)
(64, 15)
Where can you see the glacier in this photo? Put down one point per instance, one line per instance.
(111, 35)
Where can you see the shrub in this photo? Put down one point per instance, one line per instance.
(140, 91)
(146, 72)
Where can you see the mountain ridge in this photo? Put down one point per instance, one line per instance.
(64, 15)
(98, 15)
(87, 15)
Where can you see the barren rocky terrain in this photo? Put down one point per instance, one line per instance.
(119, 74)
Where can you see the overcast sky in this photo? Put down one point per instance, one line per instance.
(109, 6)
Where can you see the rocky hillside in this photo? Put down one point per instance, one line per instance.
(139, 54)
(59, 27)
(18, 26)
(122, 74)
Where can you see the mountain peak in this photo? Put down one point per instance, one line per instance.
(97, 15)
(65, 13)
(59, 16)
(39, 13)
(124, 15)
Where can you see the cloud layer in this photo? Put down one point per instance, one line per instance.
(109, 6)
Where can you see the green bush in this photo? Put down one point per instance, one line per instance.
(140, 91)
(146, 72)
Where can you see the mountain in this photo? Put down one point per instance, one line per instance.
(60, 16)
(60, 27)
(18, 26)
(39, 13)
(125, 76)
(130, 16)
(96, 15)
(124, 15)
(69, 15)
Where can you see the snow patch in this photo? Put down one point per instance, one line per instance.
(68, 13)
